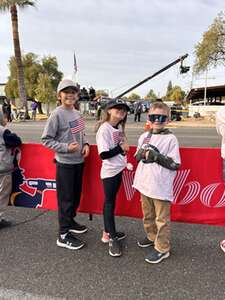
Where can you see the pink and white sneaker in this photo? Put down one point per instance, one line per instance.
(105, 237)
(119, 235)
(222, 245)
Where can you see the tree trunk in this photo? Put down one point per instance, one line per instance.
(19, 64)
(48, 108)
(40, 111)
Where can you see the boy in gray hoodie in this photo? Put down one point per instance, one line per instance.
(8, 142)
(64, 133)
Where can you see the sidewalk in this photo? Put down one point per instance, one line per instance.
(33, 267)
(187, 122)
(193, 122)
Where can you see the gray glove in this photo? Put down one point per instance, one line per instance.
(150, 156)
(140, 155)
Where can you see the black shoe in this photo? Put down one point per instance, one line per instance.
(154, 257)
(77, 228)
(4, 223)
(120, 235)
(145, 243)
(114, 247)
(70, 242)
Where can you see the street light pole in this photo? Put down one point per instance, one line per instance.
(205, 90)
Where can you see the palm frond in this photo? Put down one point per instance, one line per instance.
(6, 4)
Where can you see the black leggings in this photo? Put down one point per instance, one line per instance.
(111, 186)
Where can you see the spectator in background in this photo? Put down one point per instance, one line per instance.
(137, 112)
(6, 107)
(34, 107)
(92, 93)
(14, 111)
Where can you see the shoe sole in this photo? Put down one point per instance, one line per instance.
(144, 246)
(78, 231)
(59, 244)
(107, 241)
(114, 254)
(159, 260)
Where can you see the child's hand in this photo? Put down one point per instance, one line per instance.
(125, 147)
(73, 147)
(85, 151)
(140, 155)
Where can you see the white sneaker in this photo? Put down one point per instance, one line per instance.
(222, 245)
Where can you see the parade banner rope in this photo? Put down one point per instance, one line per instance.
(199, 194)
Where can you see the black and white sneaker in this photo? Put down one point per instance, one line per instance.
(4, 223)
(120, 235)
(115, 247)
(145, 243)
(155, 257)
(70, 242)
(78, 228)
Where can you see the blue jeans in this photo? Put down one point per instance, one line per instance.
(224, 169)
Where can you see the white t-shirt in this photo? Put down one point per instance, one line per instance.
(108, 138)
(151, 179)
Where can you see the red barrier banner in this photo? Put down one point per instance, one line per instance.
(199, 193)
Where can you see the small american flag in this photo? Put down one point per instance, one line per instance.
(117, 137)
(77, 125)
(146, 140)
(75, 62)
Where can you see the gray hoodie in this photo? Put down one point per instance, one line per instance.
(63, 127)
(8, 141)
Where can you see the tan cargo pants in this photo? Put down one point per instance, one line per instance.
(5, 191)
(156, 220)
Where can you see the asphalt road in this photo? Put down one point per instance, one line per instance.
(33, 267)
(188, 137)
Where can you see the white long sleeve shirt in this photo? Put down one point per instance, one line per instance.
(220, 127)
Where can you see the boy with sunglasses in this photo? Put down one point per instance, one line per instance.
(64, 133)
(159, 158)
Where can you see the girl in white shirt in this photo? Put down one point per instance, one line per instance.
(112, 148)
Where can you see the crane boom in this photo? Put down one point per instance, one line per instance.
(181, 58)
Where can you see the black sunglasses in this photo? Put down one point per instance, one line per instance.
(160, 118)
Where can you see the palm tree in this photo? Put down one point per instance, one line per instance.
(11, 5)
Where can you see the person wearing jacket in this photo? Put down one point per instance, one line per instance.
(8, 142)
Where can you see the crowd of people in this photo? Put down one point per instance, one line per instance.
(158, 160)
(11, 111)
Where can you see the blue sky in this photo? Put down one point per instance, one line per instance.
(117, 42)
